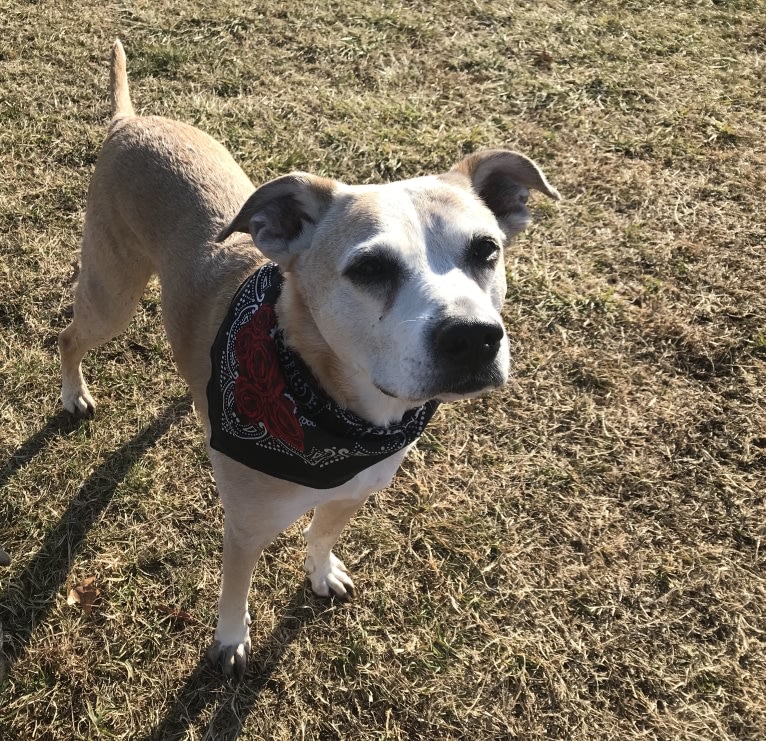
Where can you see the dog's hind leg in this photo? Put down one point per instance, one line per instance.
(111, 282)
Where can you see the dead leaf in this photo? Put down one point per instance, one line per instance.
(85, 594)
(179, 617)
(543, 58)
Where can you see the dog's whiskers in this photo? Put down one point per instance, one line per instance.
(414, 320)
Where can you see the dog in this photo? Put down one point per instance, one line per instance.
(317, 324)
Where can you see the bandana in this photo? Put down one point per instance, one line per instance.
(267, 411)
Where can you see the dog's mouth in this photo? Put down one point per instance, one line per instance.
(465, 387)
(386, 392)
(453, 387)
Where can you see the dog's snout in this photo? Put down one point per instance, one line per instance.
(467, 343)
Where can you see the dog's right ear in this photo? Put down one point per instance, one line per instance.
(282, 214)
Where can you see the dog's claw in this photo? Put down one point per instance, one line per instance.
(330, 576)
(232, 659)
(80, 405)
(86, 413)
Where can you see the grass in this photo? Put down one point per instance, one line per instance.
(580, 556)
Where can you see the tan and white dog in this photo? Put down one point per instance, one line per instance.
(391, 297)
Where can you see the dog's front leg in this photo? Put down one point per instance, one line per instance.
(326, 571)
(247, 531)
(257, 509)
(241, 551)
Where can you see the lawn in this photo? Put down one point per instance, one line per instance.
(579, 556)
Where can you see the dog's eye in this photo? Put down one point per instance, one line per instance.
(372, 270)
(483, 251)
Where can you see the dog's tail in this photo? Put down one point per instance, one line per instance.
(118, 83)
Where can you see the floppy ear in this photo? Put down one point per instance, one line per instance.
(282, 214)
(502, 180)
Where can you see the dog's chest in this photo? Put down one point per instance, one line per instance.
(372, 479)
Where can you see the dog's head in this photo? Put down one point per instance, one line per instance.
(404, 281)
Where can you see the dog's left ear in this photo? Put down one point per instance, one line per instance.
(282, 214)
(502, 180)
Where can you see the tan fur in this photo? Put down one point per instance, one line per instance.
(118, 83)
(166, 198)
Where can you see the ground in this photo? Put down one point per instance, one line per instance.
(578, 556)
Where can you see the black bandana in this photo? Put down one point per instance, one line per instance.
(266, 409)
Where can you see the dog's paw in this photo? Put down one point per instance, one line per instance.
(329, 576)
(78, 402)
(229, 650)
(231, 658)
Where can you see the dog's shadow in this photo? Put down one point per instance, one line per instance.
(29, 596)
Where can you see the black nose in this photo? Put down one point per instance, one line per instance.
(467, 343)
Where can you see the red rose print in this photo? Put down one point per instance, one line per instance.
(263, 321)
(282, 423)
(249, 401)
(259, 387)
(258, 362)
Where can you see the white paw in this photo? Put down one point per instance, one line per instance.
(328, 576)
(232, 658)
(78, 401)
(230, 653)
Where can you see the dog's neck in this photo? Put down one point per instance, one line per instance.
(349, 387)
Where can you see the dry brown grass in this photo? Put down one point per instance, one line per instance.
(578, 557)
